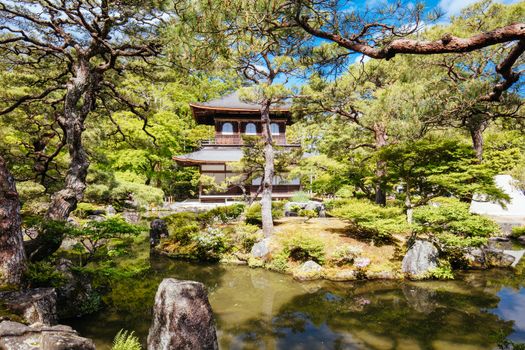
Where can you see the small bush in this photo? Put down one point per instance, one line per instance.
(518, 231)
(83, 210)
(253, 213)
(211, 242)
(372, 221)
(44, 274)
(279, 263)
(302, 248)
(126, 341)
(223, 214)
(345, 255)
(307, 213)
(442, 272)
(300, 197)
(244, 236)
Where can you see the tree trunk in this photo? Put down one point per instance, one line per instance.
(79, 101)
(12, 255)
(380, 172)
(266, 197)
(408, 203)
(476, 128)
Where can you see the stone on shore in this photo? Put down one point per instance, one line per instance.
(17, 336)
(261, 249)
(158, 230)
(421, 258)
(182, 317)
(308, 271)
(33, 305)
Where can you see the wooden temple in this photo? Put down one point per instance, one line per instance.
(233, 118)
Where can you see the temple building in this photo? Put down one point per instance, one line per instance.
(232, 119)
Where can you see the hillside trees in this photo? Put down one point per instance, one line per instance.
(70, 55)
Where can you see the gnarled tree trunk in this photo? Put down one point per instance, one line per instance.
(380, 172)
(79, 101)
(476, 127)
(266, 197)
(12, 255)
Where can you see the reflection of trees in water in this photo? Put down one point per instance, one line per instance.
(400, 314)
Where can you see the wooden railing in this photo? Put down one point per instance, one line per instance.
(236, 139)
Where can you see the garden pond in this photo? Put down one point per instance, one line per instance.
(259, 309)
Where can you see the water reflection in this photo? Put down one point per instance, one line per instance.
(257, 309)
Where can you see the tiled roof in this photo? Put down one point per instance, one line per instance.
(233, 101)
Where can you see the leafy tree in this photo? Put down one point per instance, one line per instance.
(256, 39)
(431, 168)
(68, 56)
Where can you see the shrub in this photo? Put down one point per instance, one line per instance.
(223, 214)
(307, 213)
(244, 236)
(449, 215)
(371, 220)
(300, 197)
(302, 248)
(279, 263)
(442, 272)
(518, 231)
(253, 213)
(83, 210)
(345, 255)
(126, 341)
(211, 242)
(44, 274)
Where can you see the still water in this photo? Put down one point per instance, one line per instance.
(258, 309)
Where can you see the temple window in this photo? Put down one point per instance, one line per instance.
(227, 129)
(251, 129)
(274, 128)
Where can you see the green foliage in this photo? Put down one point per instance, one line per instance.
(211, 243)
(83, 210)
(345, 255)
(223, 214)
(253, 213)
(244, 236)
(435, 167)
(518, 231)
(449, 215)
(279, 262)
(44, 274)
(126, 341)
(442, 272)
(307, 213)
(301, 247)
(371, 220)
(300, 197)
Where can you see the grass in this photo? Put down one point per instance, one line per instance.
(334, 233)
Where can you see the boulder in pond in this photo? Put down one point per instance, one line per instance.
(33, 305)
(310, 270)
(17, 336)
(261, 249)
(182, 317)
(498, 258)
(158, 230)
(474, 258)
(421, 257)
(341, 275)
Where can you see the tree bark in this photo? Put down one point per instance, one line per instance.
(12, 255)
(476, 128)
(267, 184)
(380, 172)
(79, 101)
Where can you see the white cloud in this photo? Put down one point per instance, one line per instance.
(454, 7)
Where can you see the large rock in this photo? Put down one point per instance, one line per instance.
(484, 258)
(261, 249)
(158, 230)
(310, 270)
(420, 258)
(182, 317)
(33, 305)
(17, 336)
